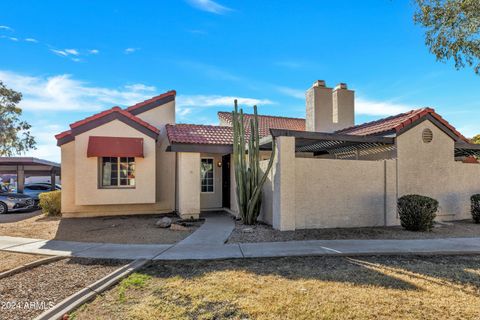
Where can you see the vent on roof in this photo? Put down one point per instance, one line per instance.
(427, 135)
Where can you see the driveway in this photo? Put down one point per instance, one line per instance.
(18, 216)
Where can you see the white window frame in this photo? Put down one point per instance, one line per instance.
(213, 171)
(118, 186)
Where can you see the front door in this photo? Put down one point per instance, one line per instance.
(226, 181)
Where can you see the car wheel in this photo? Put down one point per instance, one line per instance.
(3, 208)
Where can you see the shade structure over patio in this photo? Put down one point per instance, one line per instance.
(463, 149)
(323, 143)
(22, 166)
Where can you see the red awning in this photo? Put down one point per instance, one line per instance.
(115, 147)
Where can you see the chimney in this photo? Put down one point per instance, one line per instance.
(343, 107)
(329, 110)
(319, 108)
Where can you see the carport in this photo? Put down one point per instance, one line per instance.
(28, 166)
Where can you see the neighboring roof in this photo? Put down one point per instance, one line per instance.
(265, 123)
(152, 102)
(115, 113)
(398, 123)
(27, 161)
(199, 134)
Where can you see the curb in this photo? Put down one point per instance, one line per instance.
(89, 292)
(29, 266)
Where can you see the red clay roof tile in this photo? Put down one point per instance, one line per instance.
(199, 134)
(395, 123)
(265, 123)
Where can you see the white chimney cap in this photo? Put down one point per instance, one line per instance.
(319, 83)
(341, 86)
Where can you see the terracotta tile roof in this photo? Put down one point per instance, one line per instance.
(199, 134)
(102, 114)
(63, 134)
(171, 93)
(265, 123)
(395, 123)
(112, 110)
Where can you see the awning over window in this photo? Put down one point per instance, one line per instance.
(115, 147)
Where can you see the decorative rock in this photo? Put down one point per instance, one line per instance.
(165, 222)
(178, 227)
(247, 230)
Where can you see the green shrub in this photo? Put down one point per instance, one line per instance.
(417, 212)
(50, 202)
(475, 199)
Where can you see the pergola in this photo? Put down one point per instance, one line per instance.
(321, 143)
(22, 166)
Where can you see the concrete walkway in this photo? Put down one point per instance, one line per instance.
(208, 242)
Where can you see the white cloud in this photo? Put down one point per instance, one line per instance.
(63, 93)
(209, 6)
(217, 100)
(59, 52)
(72, 52)
(6, 28)
(46, 145)
(31, 40)
(13, 39)
(131, 50)
(379, 108)
(76, 59)
(140, 87)
(291, 92)
(93, 51)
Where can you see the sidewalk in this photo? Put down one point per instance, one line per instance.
(452, 246)
(208, 242)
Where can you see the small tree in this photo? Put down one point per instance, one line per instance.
(476, 139)
(453, 30)
(246, 159)
(15, 137)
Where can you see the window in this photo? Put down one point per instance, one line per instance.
(206, 174)
(118, 172)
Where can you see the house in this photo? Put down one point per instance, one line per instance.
(328, 172)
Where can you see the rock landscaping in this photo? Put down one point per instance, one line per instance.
(265, 233)
(27, 294)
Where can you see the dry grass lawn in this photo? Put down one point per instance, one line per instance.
(10, 260)
(118, 229)
(438, 287)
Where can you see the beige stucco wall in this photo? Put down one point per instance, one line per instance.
(341, 193)
(329, 193)
(87, 191)
(430, 169)
(156, 194)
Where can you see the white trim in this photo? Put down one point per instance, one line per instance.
(213, 172)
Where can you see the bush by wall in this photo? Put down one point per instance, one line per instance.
(475, 199)
(417, 213)
(50, 202)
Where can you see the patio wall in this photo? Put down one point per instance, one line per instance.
(304, 193)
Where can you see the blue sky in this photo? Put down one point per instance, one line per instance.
(71, 59)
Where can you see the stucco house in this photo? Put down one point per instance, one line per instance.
(328, 172)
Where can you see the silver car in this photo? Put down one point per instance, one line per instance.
(12, 202)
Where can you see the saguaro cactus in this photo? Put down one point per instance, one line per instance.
(246, 159)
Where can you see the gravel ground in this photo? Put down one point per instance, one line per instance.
(12, 260)
(265, 233)
(118, 229)
(28, 294)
